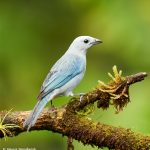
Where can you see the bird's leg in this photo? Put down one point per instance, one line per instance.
(51, 106)
(51, 103)
(80, 94)
(70, 94)
(77, 94)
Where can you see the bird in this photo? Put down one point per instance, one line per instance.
(63, 77)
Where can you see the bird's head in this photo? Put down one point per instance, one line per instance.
(82, 43)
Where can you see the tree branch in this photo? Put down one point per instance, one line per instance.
(71, 120)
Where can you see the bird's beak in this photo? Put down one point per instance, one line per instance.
(97, 41)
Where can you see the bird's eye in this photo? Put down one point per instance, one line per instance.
(86, 41)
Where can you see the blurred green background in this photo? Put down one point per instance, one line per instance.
(34, 34)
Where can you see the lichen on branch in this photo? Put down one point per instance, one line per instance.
(4, 127)
(118, 89)
(115, 93)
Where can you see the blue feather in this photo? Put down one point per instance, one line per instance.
(63, 71)
(31, 120)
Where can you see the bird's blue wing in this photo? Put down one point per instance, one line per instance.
(63, 71)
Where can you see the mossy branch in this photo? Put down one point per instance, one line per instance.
(70, 120)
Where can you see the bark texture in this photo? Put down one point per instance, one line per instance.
(71, 120)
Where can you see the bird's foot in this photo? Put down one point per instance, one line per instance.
(80, 94)
(81, 98)
(77, 94)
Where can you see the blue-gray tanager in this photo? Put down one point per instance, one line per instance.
(64, 76)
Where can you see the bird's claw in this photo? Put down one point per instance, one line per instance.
(81, 96)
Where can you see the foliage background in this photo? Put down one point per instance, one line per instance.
(34, 34)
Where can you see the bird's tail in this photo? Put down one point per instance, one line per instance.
(31, 120)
